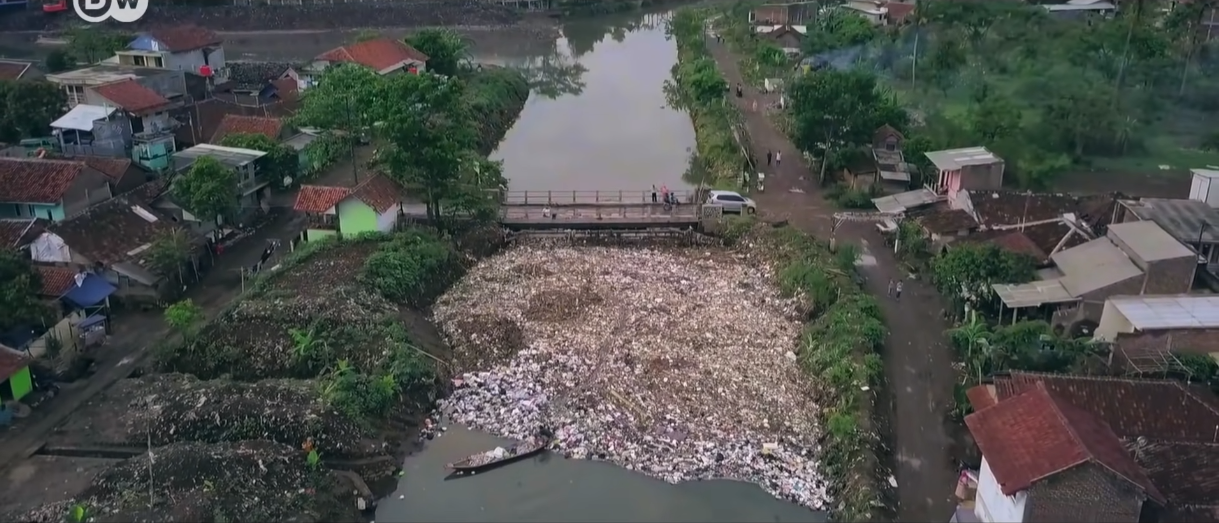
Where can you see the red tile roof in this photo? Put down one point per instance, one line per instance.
(236, 124)
(18, 232)
(286, 88)
(185, 37)
(55, 280)
(1020, 243)
(10, 70)
(379, 192)
(1033, 436)
(11, 362)
(318, 198)
(947, 221)
(381, 53)
(1187, 473)
(32, 180)
(1157, 409)
(130, 96)
(899, 11)
(108, 231)
(114, 168)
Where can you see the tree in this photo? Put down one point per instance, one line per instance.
(344, 98)
(837, 30)
(994, 117)
(208, 190)
(834, 109)
(365, 35)
(168, 252)
(445, 48)
(58, 60)
(702, 81)
(28, 108)
(20, 286)
(91, 44)
(967, 271)
(183, 316)
(281, 163)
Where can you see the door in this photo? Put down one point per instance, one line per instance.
(731, 202)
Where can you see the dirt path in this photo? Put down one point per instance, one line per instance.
(917, 356)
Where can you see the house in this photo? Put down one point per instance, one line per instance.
(373, 205)
(873, 11)
(270, 127)
(1201, 189)
(1146, 329)
(109, 239)
(383, 55)
(187, 48)
(1191, 222)
(1049, 452)
(964, 169)
(1131, 259)
(13, 70)
(947, 223)
(169, 84)
(796, 13)
(121, 173)
(258, 84)
(891, 165)
(252, 185)
(17, 233)
(785, 37)
(49, 189)
(132, 122)
(899, 12)
(16, 382)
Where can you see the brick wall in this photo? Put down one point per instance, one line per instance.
(1174, 276)
(1088, 492)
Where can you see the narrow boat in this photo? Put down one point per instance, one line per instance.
(501, 456)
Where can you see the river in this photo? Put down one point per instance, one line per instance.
(598, 121)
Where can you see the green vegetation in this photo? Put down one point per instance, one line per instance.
(965, 272)
(207, 189)
(699, 88)
(20, 290)
(27, 109)
(183, 316)
(839, 349)
(326, 150)
(333, 312)
(496, 95)
(93, 43)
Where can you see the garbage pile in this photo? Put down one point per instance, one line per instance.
(246, 481)
(172, 408)
(681, 367)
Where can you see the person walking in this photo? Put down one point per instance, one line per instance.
(897, 294)
(890, 291)
(653, 193)
(769, 157)
(739, 92)
(778, 158)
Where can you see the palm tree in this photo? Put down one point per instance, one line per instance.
(972, 333)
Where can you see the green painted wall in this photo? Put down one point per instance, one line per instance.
(155, 156)
(317, 234)
(23, 210)
(356, 217)
(21, 383)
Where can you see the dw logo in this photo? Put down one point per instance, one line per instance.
(96, 11)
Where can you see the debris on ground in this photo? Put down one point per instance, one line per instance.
(173, 408)
(246, 481)
(671, 362)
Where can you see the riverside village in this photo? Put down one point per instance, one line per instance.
(869, 260)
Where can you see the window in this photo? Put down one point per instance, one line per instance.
(139, 60)
(33, 213)
(729, 198)
(891, 143)
(158, 62)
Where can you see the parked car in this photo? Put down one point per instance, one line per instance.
(733, 202)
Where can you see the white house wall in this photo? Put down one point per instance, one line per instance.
(1112, 323)
(993, 506)
(191, 61)
(387, 219)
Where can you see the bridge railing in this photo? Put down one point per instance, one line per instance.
(557, 198)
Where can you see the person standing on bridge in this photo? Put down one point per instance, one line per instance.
(653, 193)
(664, 193)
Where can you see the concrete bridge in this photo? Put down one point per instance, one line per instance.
(592, 210)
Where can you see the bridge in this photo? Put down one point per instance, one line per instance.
(598, 210)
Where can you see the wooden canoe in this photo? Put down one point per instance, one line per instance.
(486, 460)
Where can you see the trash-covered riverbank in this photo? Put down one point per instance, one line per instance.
(677, 363)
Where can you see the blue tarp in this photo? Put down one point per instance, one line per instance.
(91, 292)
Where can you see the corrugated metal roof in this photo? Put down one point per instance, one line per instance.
(1149, 241)
(1183, 219)
(1169, 312)
(954, 159)
(1033, 294)
(1093, 265)
(901, 202)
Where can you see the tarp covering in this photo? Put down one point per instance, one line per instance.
(81, 117)
(93, 289)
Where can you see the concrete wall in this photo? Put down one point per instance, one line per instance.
(1175, 276)
(1188, 341)
(989, 176)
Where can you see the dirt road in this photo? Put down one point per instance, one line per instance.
(917, 356)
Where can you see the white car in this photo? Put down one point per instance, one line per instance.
(732, 202)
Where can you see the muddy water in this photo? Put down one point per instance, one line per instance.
(550, 488)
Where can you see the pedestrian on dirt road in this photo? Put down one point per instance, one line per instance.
(897, 294)
(769, 157)
(653, 194)
(778, 158)
(739, 92)
(890, 291)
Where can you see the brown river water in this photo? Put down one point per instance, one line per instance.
(604, 128)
